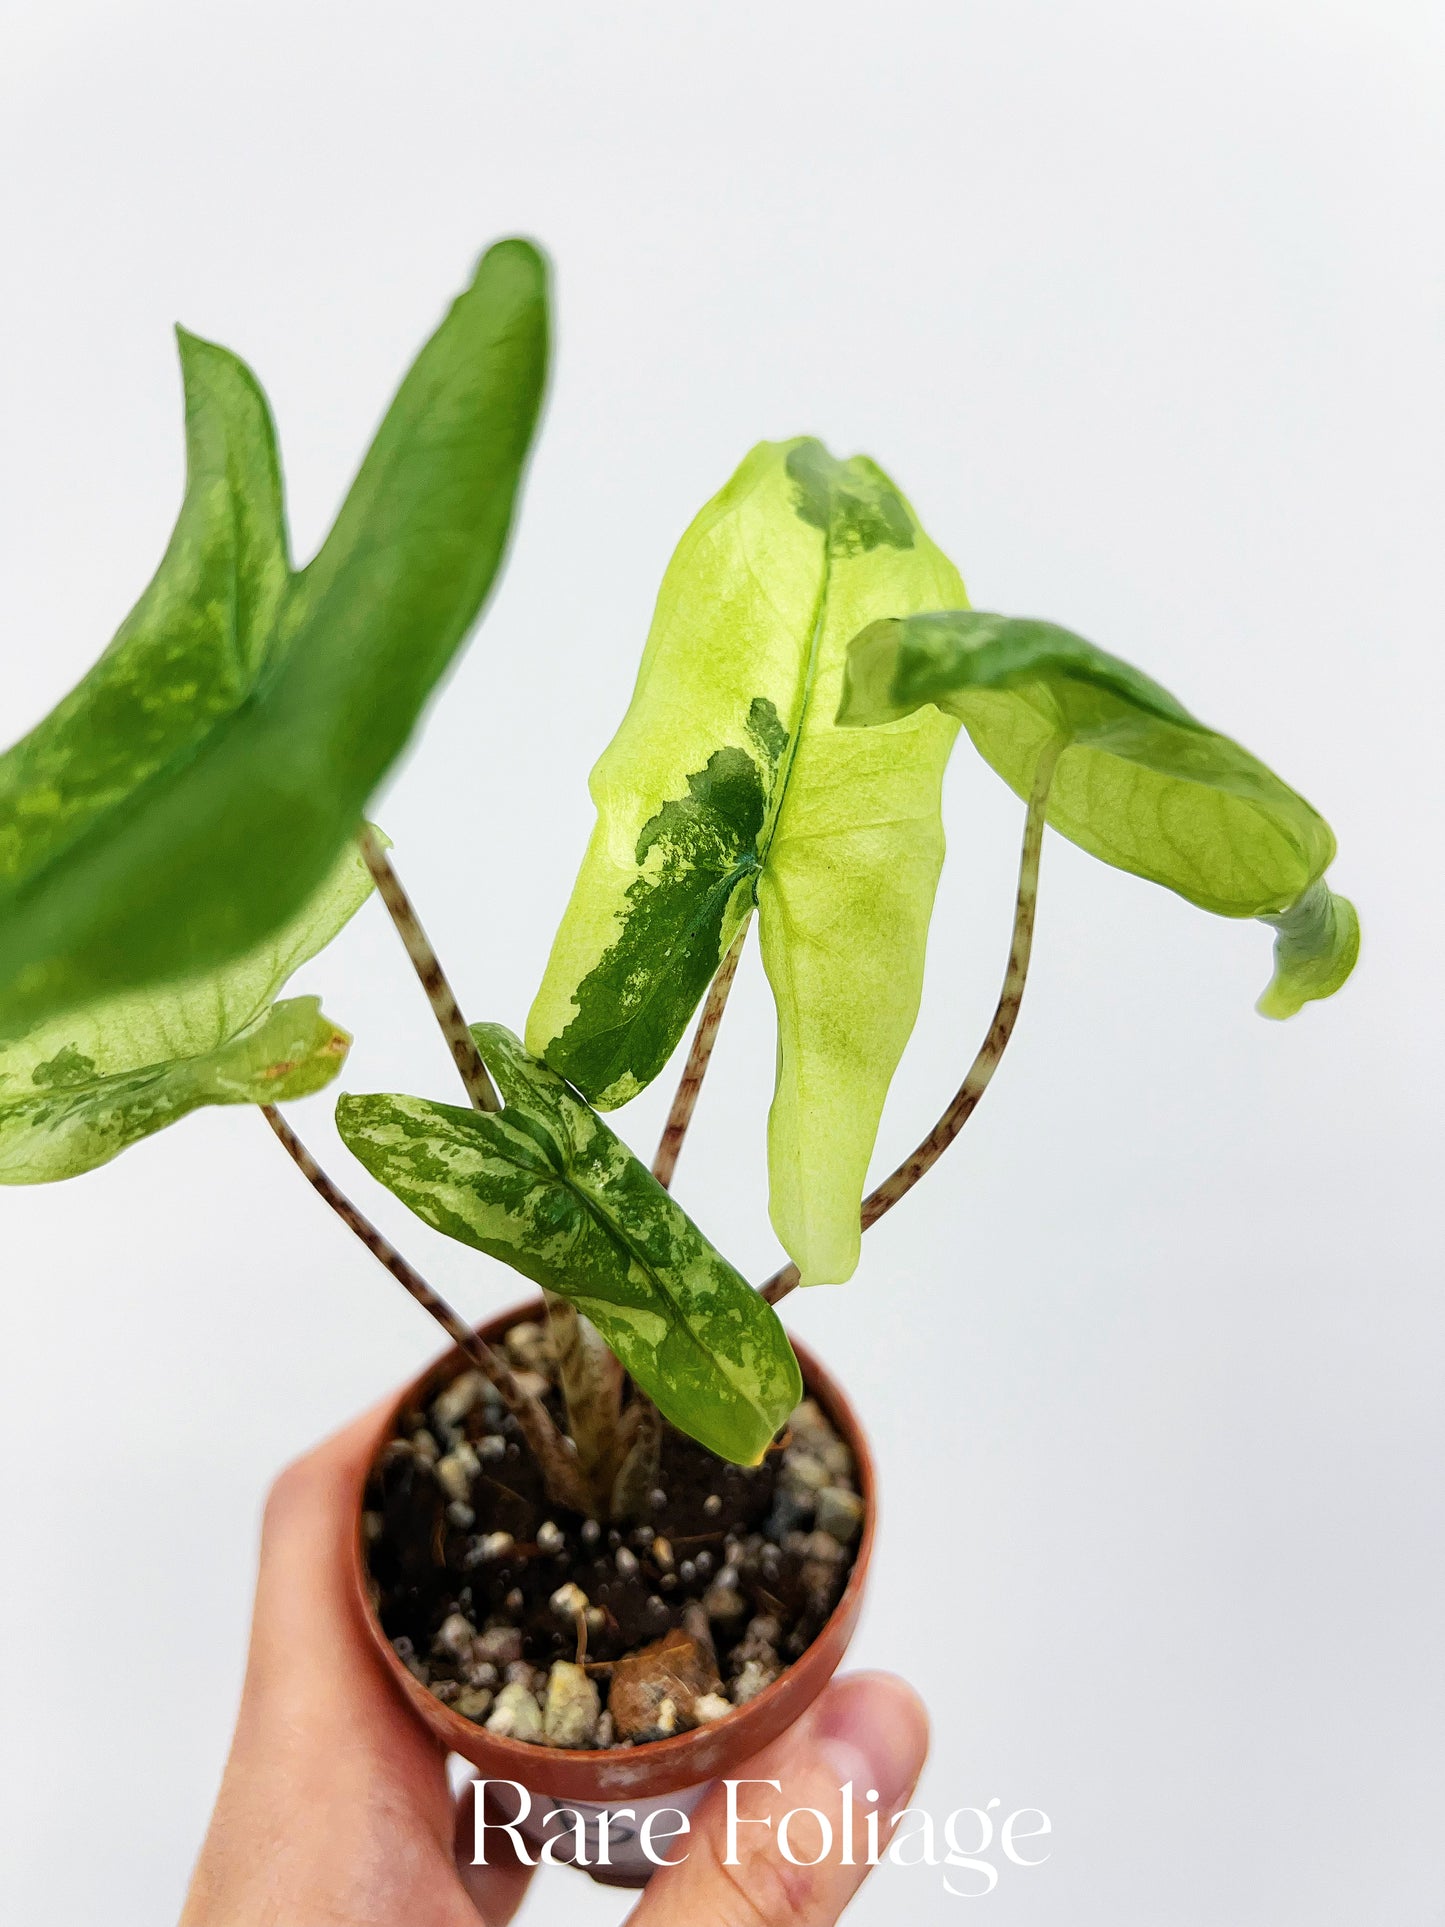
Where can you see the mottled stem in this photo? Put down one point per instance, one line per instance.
(640, 1446)
(703, 1039)
(586, 1380)
(591, 1382)
(559, 1468)
(461, 1043)
(637, 1476)
(965, 1100)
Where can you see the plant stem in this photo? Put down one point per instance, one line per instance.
(589, 1377)
(703, 1039)
(587, 1374)
(591, 1383)
(966, 1099)
(559, 1468)
(637, 1475)
(637, 1450)
(463, 1046)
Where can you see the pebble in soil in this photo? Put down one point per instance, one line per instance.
(569, 1632)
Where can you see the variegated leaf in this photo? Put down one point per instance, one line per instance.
(546, 1187)
(728, 787)
(197, 786)
(1140, 783)
(196, 1016)
(82, 1087)
(71, 1120)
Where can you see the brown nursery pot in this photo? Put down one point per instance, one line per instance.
(639, 1773)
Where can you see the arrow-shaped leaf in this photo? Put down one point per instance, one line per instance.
(1140, 783)
(545, 1186)
(728, 786)
(195, 789)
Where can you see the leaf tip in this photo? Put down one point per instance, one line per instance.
(1316, 947)
(517, 261)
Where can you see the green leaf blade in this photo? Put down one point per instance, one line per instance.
(1141, 784)
(547, 1188)
(72, 1120)
(83, 1087)
(195, 852)
(847, 891)
(190, 650)
(197, 1015)
(728, 785)
(684, 791)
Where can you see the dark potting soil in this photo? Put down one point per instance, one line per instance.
(516, 1612)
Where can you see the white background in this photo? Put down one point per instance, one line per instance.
(1141, 304)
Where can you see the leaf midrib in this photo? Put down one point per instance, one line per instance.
(784, 776)
(611, 1228)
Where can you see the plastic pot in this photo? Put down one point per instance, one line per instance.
(660, 1773)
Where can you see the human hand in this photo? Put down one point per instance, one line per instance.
(335, 1810)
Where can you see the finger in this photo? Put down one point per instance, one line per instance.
(303, 1590)
(314, 1683)
(869, 1731)
(334, 1803)
(498, 1888)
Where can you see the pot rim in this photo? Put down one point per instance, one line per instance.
(654, 1766)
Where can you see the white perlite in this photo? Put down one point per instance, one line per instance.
(516, 1715)
(572, 1706)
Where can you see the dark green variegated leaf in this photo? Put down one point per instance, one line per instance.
(728, 787)
(545, 1186)
(194, 790)
(1140, 783)
(71, 1120)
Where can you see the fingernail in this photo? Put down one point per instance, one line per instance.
(874, 1734)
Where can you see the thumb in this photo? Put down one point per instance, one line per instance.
(869, 1731)
(311, 1669)
(318, 1712)
(331, 1776)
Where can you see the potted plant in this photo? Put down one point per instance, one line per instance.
(615, 1540)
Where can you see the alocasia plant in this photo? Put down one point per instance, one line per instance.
(185, 829)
